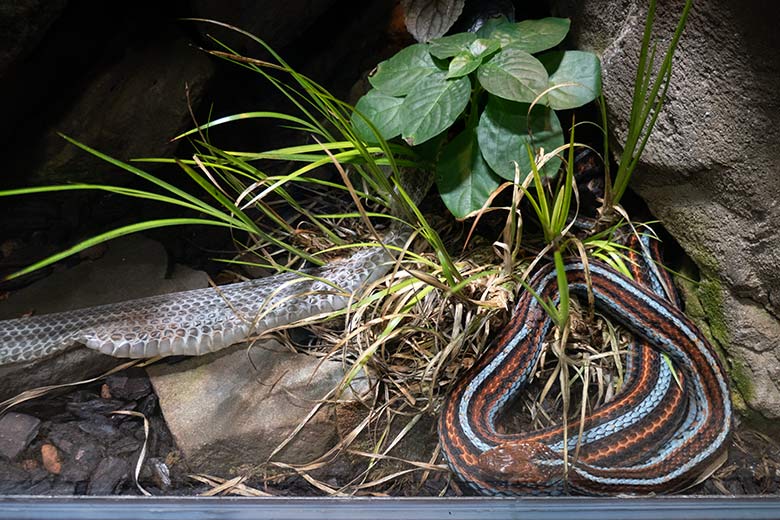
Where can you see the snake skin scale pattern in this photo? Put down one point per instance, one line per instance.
(199, 321)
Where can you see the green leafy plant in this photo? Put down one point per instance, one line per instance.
(478, 100)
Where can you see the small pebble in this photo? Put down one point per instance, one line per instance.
(161, 474)
(51, 459)
(29, 464)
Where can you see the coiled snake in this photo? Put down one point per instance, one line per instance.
(655, 436)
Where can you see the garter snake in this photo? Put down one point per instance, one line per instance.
(655, 437)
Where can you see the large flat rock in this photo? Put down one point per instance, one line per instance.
(228, 411)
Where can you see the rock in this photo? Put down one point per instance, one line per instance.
(109, 473)
(51, 459)
(276, 22)
(709, 172)
(50, 488)
(10, 472)
(161, 473)
(107, 113)
(94, 407)
(126, 446)
(79, 452)
(24, 24)
(16, 432)
(100, 427)
(11, 475)
(80, 463)
(130, 385)
(227, 416)
(133, 267)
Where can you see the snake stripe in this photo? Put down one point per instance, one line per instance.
(656, 437)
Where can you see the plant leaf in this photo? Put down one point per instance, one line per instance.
(468, 60)
(433, 105)
(503, 132)
(532, 35)
(583, 69)
(513, 74)
(464, 179)
(382, 110)
(449, 46)
(428, 19)
(401, 73)
(484, 47)
(463, 63)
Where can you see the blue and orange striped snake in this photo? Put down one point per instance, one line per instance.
(656, 436)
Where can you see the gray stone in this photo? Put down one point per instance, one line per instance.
(130, 385)
(107, 476)
(16, 432)
(10, 474)
(131, 108)
(80, 462)
(709, 172)
(133, 267)
(228, 411)
(160, 473)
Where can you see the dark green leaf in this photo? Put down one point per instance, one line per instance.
(513, 74)
(449, 46)
(583, 69)
(503, 132)
(401, 73)
(428, 19)
(464, 179)
(433, 105)
(533, 35)
(382, 111)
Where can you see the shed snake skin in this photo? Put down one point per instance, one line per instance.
(199, 321)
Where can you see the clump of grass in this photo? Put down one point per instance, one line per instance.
(646, 104)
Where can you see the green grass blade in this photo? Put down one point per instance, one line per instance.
(110, 235)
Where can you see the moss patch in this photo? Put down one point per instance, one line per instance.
(710, 295)
(741, 379)
(704, 305)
